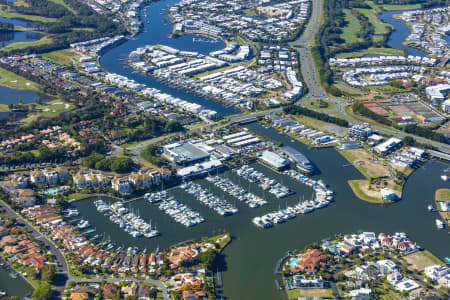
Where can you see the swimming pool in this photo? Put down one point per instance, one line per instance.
(293, 262)
(53, 191)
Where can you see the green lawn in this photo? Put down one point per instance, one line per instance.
(6, 14)
(322, 293)
(353, 27)
(61, 2)
(77, 196)
(15, 81)
(49, 109)
(355, 186)
(21, 45)
(379, 25)
(62, 57)
(372, 50)
(392, 7)
(319, 104)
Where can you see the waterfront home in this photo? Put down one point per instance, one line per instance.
(435, 272)
(90, 178)
(303, 282)
(308, 261)
(79, 296)
(388, 194)
(193, 295)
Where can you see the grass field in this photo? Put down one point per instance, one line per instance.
(361, 190)
(421, 259)
(62, 57)
(316, 104)
(61, 2)
(323, 293)
(372, 50)
(14, 81)
(21, 45)
(49, 109)
(349, 32)
(364, 162)
(441, 196)
(75, 196)
(6, 14)
(393, 7)
(371, 14)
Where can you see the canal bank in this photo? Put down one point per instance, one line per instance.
(399, 34)
(13, 286)
(249, 261)
(157, 30)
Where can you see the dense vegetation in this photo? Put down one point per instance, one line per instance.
(82, 17)
(43, 8)
(114, 164)
(298, 110)
(151, 155)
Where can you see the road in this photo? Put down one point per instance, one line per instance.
(62, 267)
(317, 92)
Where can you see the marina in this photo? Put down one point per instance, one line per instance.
(128, 221)
(177, 210)
(220, 206)
(264, 182)
(238, 192)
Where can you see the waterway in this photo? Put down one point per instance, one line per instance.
(11, 96)
(251, 257)
(22, 23)
(14, 287)
(157, 30)
(400, 33)
(18, 36)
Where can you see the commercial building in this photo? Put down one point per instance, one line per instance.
(273, 160)
(200, 169)
(302, 162)
(185, 153)
(388, 145)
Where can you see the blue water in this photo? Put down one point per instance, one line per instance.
(157, 31)
(10, 96)
(19, 22)
(18, 36)
(400, 33)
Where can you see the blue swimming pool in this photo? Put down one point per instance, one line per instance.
(293, 261)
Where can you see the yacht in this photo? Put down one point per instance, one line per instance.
(440, 224)
(444, 177)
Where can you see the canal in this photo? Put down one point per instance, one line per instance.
(13, 287)
(157, 30)
(399, 34)
(251, 257)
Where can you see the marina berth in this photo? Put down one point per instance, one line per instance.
(128, 221)
(220, 206)
(238, 192)
(179, 212)
(264, 182)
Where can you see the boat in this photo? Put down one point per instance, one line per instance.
(440, 224)
(430, 207)
(444, 177)
(2, 293)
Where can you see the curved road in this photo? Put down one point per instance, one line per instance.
(317, 92)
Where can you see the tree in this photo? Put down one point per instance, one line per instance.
(43, 292)
(409, 140)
